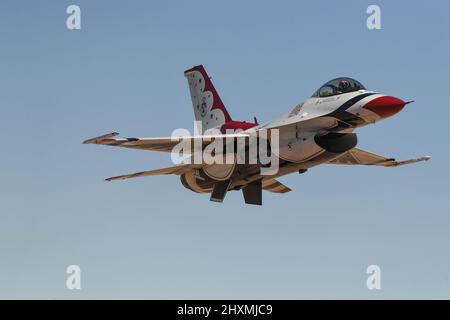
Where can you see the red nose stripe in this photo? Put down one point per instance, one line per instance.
(385, 106)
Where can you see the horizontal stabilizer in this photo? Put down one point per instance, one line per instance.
(274, 186)
(178, 170)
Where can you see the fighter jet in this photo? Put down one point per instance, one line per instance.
(320, 130)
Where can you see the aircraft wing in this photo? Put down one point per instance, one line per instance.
(165, 144)
(360, 157)
(178, 170)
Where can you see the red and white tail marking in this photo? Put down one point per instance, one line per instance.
(209, 109)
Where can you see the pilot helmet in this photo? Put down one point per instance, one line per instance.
(344, 85)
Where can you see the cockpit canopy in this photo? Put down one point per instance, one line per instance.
(338, 86)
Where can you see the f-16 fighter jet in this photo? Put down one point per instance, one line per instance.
(320, 130)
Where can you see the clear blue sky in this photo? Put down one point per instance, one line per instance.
(150, 237)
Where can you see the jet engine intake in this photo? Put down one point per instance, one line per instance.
(335, 142)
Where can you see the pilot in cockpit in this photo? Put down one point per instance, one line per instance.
(344, 86)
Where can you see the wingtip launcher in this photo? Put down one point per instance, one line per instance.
(405, 162)
(96, 140)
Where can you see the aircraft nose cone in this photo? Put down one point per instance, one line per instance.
(385, 106)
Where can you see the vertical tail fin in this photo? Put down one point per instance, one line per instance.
(209, 109)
